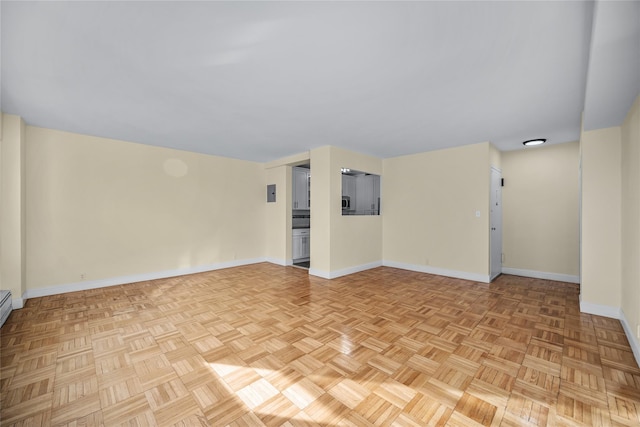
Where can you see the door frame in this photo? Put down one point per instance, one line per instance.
(495, 221)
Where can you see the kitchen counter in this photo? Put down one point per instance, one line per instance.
(369, 212)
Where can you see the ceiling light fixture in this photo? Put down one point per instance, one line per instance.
(537, 141)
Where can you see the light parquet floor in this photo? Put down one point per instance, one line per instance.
(270, 345)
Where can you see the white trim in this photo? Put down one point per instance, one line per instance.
(345, 271)
(541, 275)
(600, 310)
(279, 261)
(631, 337)
(495, 216)
(17, 303)
(614, 313)
(439, 271)
(319, 273)
(122, 280)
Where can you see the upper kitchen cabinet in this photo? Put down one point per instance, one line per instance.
(301, 188)
(349, 186)
(367, 194)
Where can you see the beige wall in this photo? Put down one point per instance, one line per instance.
(601, 218)
(278, 214)
(356, 240)
(278, 232)
(341, 244)
(105, 208)
(430, 200)
(321, 205)
(100, 208)
(540, 209)
(630, 286)
(12, 208)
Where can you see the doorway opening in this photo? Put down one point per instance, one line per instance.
(301, 216)
(495, 233)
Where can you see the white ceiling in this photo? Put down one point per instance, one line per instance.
(264, 80)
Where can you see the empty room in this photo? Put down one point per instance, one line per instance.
(385, 213)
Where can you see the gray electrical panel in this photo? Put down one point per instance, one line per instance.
(271, 193)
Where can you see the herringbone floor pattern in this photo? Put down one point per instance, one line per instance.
(269, 345)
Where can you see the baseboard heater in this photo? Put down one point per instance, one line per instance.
(5, 306)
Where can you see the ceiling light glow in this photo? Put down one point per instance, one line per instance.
(532, 142)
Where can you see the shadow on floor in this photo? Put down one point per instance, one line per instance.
(303, 264)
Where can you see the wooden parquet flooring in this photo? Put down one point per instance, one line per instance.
(269, 345)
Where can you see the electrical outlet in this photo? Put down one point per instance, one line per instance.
(426, 261)
(638, 332)
(82, 276)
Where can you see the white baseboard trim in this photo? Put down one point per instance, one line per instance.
(279, 261)
(122, 280)
(17, 303)
(485, 278)
(600, 310)
(345, 271)
(319, 273)
(633, 339)
(541, 275)
(615, 313)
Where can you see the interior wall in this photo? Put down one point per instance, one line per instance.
(278, 222)
(356, 240)
(630, 280)
(600, 273)
(12, 208)
(99, 208)
(430, 205)
(341, 245)
(321, 206)
(540, 209)
(278, 228)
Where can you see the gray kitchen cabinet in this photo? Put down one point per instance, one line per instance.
(301, 249)
(375, 202)
(296, 249)
(349, 186)
(367, 193)
(364, 189)
(301, 181)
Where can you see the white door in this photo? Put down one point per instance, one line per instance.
(496, 223)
